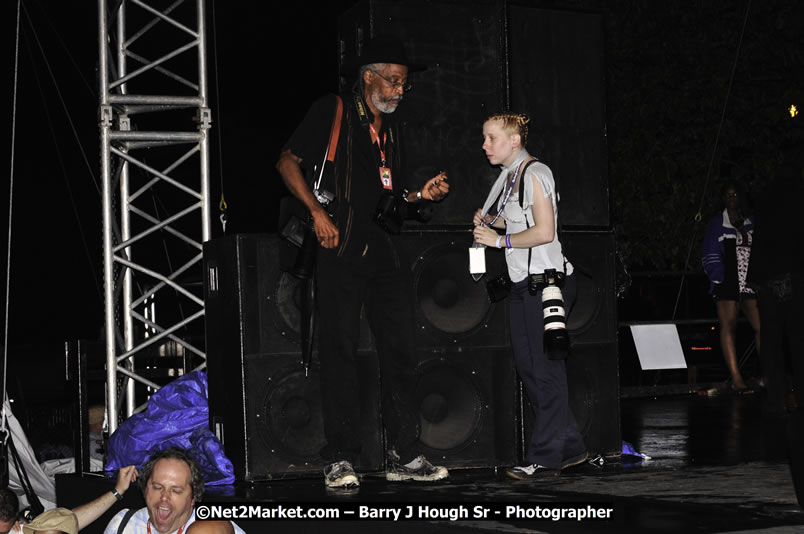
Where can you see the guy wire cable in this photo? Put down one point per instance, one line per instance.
(60, 159)
(222, 206)
(714, 152)
(10, 211)
(93, 92)
(63, 104)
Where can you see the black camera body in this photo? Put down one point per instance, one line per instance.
(550, 277)
(499, 287)
(388, 214)
(301, 233)
(556, 336)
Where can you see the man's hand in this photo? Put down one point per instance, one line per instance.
(325, 230)
(89, 512)
(436, 187)
(289, 168)
(125, 476)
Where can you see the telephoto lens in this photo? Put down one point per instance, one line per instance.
(556, 337)
(304, 266)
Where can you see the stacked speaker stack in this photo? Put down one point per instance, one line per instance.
(265, 403)
(482, 57)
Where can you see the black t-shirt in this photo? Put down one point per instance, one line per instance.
(358, 187)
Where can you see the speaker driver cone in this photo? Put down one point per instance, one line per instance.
(289, 419)
(448, 298)
(450, 406)
(288, 294)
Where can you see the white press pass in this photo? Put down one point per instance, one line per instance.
(477, 259)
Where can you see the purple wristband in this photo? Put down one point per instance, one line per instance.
(507, 240)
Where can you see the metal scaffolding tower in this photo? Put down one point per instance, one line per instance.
(154, 149)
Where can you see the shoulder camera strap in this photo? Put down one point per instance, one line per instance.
(521, 196)
(521, 201)
(335, 132)
(332, 146)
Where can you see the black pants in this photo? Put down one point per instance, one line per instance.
(781, 314)
(386, 290)
(555, 434)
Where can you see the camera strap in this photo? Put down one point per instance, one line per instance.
(332, 146)
(335, 132)
(362, 112)
(522, 186)
(305, 260)
(521, 206)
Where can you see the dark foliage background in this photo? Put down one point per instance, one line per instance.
(697, 92)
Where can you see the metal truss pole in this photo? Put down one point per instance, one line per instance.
(154, 150)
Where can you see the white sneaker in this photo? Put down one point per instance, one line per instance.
(340, 475)
(533, 472)
(419, 469)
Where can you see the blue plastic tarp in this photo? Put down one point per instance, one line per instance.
(177, 416)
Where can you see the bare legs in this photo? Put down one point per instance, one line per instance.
(727, 314)
(751, 310)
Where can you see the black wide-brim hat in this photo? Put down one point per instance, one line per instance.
(381, 50)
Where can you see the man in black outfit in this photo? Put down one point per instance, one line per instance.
(360, 263)
(777, 273)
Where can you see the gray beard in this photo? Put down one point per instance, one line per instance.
(383, 106)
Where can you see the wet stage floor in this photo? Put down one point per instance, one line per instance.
(716, 465)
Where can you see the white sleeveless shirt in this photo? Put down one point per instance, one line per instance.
(518, 219)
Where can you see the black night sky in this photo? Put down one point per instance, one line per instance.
(263, 57)
(273, 58)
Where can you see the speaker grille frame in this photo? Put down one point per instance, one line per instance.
(424, 250)
(248, 346)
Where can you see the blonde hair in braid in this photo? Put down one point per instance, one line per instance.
(513, 123)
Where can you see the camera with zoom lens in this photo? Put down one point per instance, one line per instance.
(556, 336)
(302, 234)
(387, 214)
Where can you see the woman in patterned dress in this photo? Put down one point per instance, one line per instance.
(725, 256)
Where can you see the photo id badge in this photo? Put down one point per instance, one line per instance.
(385, 178)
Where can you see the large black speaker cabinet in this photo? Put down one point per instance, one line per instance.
(557, 77)
(593, 318)
(263, 405)
(466, 387)
(489, 56)
(592, 366)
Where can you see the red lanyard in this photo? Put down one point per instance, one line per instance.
(385, 172)
(375, 137)
(179, 532)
